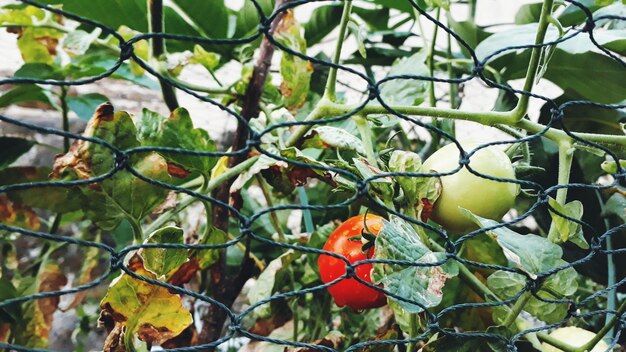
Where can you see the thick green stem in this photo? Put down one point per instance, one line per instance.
(137, 231)
(607, 327)
(331, 83)
(566, 156)
(517, 308)
(413, 332)
(535, 55)
(479, 287)
(155, 21)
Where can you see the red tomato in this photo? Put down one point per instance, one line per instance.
(346, 241)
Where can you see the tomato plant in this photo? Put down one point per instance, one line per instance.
(193, 174)
(348, 241)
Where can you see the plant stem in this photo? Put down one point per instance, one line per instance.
(517, 308)
(65, 117)
(566, 156)
(366, 137)
(605, 329)
(489, 118)
(479, 287)
(330, 92)
(431, 63)
(306, 213)
(413, 332)
(472, 10)
(454, 87)
(137, 231)
(522, 104)
(155, 21)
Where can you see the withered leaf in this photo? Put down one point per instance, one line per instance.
(122, 195)
(34, 328)
(150, 312)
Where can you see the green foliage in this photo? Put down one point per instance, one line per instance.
(122, 196)
(421, 284)
(385, 41)
(177, 131)
(12, 148)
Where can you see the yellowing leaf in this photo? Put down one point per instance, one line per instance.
(150, 312)
(34, 327)
(15, 214)
(123, 194)
(296, 72)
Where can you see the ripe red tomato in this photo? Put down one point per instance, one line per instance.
(346, 241)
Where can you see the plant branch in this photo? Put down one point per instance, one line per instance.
(522, 104)
(225, 288)
(329, 92)
(479, 287)
(605, 329)
(517, 308)
(566, 156)
(155, 20)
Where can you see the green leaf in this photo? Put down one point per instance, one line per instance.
(10, 313)
(177, 131)
(407, 91)
(571, 63)
(415, 189)
(77, 42)
(27, 93)
(149, 312)
(208, 60)
(38, 44)
(273, 278)
(163, 262)
(296, 72)
(55, 199)
(38, 71)
(531, 253)
(12, 148)
(34, 325)
(323, 137)
(573, 72)
(423, 284)
(122, 195)
(564, 229)
(617, 8)
(323, 20)
(469, 32)
(401, 5)
(557, 286)
(84, 105)
(615, 205)
(528, 13)
(573, 14)
(448, 343)
(140, 48)
(317, 239)
(208, 257)
(360, 33)
(444, 4)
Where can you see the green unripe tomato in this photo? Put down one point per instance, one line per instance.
(483, 197)
(576, 337)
